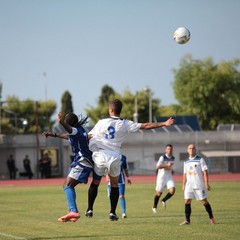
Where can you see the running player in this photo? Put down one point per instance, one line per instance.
(195, 183)
(122, 184)
(106, 139)
(164, 177)
(82, 164)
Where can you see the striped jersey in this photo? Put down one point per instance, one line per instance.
(193, 168)
(109, 133)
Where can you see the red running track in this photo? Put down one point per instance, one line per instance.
(135, 179)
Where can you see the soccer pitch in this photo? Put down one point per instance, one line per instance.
(30, 213)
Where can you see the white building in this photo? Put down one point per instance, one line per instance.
(221, 150)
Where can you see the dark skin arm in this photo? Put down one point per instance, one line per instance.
(65, 126)
(51, 134)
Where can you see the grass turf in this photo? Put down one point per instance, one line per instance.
(31, 213)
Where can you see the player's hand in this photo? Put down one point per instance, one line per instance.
(170, 121)
(129, 181)
(208, 187)
(46, 134)
(59, 116)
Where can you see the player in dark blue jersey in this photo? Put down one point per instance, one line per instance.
(121, 185)
(82, 164)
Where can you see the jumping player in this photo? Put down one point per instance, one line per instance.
(106, 139)
(82, 164)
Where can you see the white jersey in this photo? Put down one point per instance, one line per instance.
(164, 176)
(193, 168)
(109, 133)
(162, 172)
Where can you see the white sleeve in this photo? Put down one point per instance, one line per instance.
(132, 126)
(203, 164)
(160, 161)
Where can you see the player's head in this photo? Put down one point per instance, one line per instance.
(74, 121)
(115, 107)
(191, 150)
(169, 149)
(71, 119)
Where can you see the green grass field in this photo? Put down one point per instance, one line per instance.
(31, 213)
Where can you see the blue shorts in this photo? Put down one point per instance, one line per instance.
(80, 173)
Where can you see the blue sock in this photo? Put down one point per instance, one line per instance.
(123, 204)
(71, 199)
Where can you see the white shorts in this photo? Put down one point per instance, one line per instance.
(166, 183)
(107, 162)
(198, 194)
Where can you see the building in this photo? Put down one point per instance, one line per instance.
(220, 148)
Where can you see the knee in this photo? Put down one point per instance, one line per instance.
(172, 191)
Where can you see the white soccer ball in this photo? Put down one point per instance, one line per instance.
(181, 35)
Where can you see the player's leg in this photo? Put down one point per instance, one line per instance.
(156, 200)
(70, 193)
(114, 161)
(99, 170)
(188, 196)
(122, 199)
(114, 195)
(92, 194)
(160, 186)
(171, 192)
(208, 208)
(188, 212)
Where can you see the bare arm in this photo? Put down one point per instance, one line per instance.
(184, 181)
(149, 125)
(205, 177)
(127, 175)
(167, 166)
(51, 134)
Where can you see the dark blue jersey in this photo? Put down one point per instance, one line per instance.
(79, 144)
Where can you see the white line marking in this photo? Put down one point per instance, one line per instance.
(12, 236)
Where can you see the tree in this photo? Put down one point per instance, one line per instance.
(66, 101)
(210, 91)
(27, 116)
(128, 99)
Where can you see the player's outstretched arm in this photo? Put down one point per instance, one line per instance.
(51, 134)
(149, 125)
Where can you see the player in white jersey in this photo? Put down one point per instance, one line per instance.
(106, 139)
(164, 177)
(195, 183)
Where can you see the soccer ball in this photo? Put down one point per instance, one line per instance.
(181, 35)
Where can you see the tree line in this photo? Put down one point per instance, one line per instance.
(202, 88)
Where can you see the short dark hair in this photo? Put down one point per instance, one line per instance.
(116, 105)
(169, 145)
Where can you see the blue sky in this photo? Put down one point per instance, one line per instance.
(82, 45)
